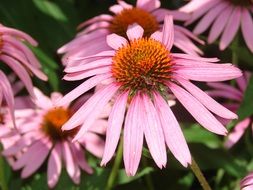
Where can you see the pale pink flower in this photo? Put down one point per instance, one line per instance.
(39, 136)
(247, 182)
(17, 56)
(228, 92)
(140, 73)
(147, 13)
(224, 17)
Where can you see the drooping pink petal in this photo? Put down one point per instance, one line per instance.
(134, 31)
(54, 166)
(194, 107)
(115, 41)
(237, 133)
(133, 136)
(148, 5)
(247, 28)
(102, 17)
(153, 132)
(177, 15)
(67, 155)
(173, 134)
(115, 123)
(206, 100)
(168, 32)
(231, 28)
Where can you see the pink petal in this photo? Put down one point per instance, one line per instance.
(148, 5)
(168, 32)
(102, 17)
(54, 166)
(247, 28)
(219, 24)
(116, 9)
(133, 136)
(231, 28)
(157, 36)
(206, 100)
(194, 107)
(227, 88)
(116, 119)
(237, 133)
(177, 15)
(172, 132)
(115, 41)
(153, 132)
(67, 155)
(134, 31)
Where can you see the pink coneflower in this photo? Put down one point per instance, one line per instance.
(146, 13)
(247, 182)
(40, 136)
(226, 91)
(224, 17)
(139, 73)
(20, 59)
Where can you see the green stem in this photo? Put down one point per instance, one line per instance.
(197, 172)
(148, 177)
(115, 168)
(2, 175)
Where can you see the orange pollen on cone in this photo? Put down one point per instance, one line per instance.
(142, 64)
(53, 120)
(127, 17)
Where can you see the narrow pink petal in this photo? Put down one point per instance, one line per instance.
(124, 4)
(168, 32)
(172, 132)
(115, 41)
(223, 94)
(36, 160)
(219, 24)
(242, 82)
(148, 5)
(133, 136)
(194, 107)
(237, 133)
(102, 54)
(115, 122)
(134, 31)
(231, 28)
(94, 27)
(194, 58)
(227, 88)
(81, 89)
(67, 155)
(78, 153)
(102, 17)
(54, 166)
(116, 9)
(209, 72)
(207, 20)
(206, 100)
(247, 28)
(20, 71)
(153, 132)
(93, 143)
(177, 15)
(157, 36)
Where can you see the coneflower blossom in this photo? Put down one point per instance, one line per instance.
(224, 17)
(247, 182)
(139, 73)
(227, 92)
(20, 59)
(39, 135)
(146, 13)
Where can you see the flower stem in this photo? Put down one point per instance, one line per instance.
(3, 184)
(148, 178)
(197, 172)
(115, 168)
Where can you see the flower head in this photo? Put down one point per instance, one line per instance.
(20, 59)
(146, 13)
(224, 17)
(140, 73)
(227, 92)
(39, 136)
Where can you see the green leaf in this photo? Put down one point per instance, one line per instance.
(245, 109)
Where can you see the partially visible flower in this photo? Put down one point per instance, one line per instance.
(146, 13)
(224, 17)
(140, 73)
(20, 59)
(39, 135)
(247, 182)
(228, 92)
